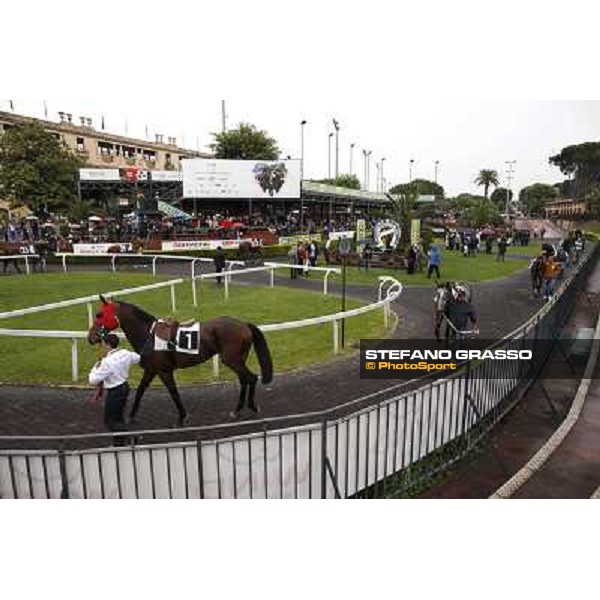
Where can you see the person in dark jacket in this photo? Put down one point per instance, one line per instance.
(219, 260)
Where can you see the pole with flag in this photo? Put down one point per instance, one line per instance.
(12, 106)
(45, 110)
(102, 122)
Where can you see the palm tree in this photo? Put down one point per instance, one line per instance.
(486, 178)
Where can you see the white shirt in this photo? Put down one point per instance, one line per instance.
(113, 369)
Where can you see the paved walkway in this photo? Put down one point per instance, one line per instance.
(502, 304)
(573, 471)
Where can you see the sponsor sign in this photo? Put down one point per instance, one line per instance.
(166, 175)
(292, 240)
(212, 178)
(415, 231)
(183, 245)
(361, 230)
(100, 248)
(99, 175)
(340, 235)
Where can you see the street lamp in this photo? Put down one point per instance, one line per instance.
(365, 184)
(509, 176)
(369, 168)
(351, 156)
(336, 125)
(437, 164)
(382, 177)
(329, 157)
(410, 168)
(302, 124)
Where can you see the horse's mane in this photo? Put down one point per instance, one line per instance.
(139, 312)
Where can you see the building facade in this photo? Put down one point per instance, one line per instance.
(102, 149)
(565, 208)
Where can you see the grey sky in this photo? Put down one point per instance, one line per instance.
(402, 84)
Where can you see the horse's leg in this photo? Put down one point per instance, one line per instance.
(169, 382)
(147, 378)
(242, 400)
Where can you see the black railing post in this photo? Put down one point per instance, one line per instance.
(324, 459)
(64, 482)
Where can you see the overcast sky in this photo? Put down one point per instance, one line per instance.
(452, 81)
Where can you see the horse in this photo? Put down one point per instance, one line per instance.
(536, 269)
(445, 294)
(228, 337)
(10, 249)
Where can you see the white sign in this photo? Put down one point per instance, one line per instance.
(182, 246)
(166, 175)
(99, 175)
(100, 248)
(341, 235)
(425, 198)
(206, 178)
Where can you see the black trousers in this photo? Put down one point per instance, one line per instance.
(219, 270)
(433, 268)
(114, 406)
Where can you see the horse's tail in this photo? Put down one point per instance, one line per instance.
(263, 353)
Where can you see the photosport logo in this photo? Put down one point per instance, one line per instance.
(410, 359)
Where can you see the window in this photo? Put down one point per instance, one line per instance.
(80, 144)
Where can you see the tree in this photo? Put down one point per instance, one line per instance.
(401, 209)
(245, 143)
(499, 196)
(582, 161)
(486, 178)
(350, 182)
(37, 169)
(420, 187)
(482, 212)
(534, 197)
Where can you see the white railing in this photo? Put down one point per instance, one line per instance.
(392, 293)
(268, 267)
(25, 257)
(155, 257)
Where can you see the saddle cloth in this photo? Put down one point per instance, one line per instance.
(183, 338)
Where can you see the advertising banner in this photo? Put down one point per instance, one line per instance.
(292, 240)
(361, 230)
(166, 175)
(415, 231)
(99, 175)
(183, 245)
(212, 178)
(340, 235)
(100, 248)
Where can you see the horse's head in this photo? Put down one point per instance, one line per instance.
(106, 321)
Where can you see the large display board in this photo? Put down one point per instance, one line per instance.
(212, 178)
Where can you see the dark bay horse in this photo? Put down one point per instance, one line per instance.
(230, 338)
(536, 269)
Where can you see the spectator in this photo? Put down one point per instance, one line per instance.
(435, 260)
(502, 245)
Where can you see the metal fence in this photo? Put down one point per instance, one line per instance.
(402, 436)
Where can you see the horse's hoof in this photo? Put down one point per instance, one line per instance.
(183, 421)
(234, 416)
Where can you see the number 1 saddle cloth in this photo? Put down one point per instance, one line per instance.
(172, 336)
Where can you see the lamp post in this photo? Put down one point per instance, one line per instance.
(302, 124)
(344, 249)
(329, 157)
(351, 157)
(365, 184)
(410, 168)
(369, 168)
(437, 164)
(382, 190)
(509, 176)
(336, 126)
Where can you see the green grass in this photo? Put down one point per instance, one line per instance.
(47, 361)
(455, 267)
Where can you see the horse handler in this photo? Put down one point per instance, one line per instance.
(112, 372)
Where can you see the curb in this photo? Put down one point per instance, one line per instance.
(545, 452)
